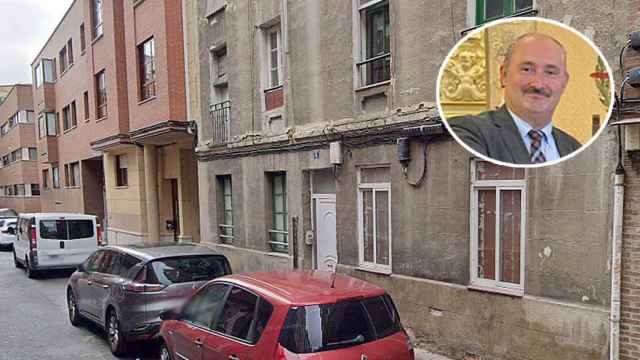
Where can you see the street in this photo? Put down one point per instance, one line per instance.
(34, 322)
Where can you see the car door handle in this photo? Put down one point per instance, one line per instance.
(233, 357)
(198, 342)
(89, 282)
(104, 286)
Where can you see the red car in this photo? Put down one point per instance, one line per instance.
(286, 315)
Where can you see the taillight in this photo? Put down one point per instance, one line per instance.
(99, 235)
(137, 287)
(33, 239)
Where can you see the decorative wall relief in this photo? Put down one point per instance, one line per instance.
(464, 79)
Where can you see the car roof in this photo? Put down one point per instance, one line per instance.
(304, 287)
(53, 215)
(157, 251)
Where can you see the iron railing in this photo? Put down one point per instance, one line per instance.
(220, 115)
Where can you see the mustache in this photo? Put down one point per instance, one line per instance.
(537, 91)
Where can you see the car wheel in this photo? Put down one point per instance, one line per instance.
(31, 273)
(164, 352)
(16, 263)
(114, 335)
(74, 314)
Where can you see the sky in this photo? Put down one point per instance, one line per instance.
(25, 26)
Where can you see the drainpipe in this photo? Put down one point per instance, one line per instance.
(616, 260)
(185, 50)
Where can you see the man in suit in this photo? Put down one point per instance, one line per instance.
(534, 76)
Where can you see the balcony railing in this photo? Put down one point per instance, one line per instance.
(375, 70)
(220, 115)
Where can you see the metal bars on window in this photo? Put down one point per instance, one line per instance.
(220, 115)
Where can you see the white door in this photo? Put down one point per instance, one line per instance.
(325, 231)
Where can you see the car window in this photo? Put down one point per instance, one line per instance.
(91, 264)
(189, 268)
(264, 314)
(237, 315)
(317, 328)
(8, 213)
(53, 229)
(121, 265)
(80, 229)
(203, 307)
(105, 261)
(383, 315)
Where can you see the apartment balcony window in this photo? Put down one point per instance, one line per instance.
(220, 115)
(96, 15)
(44, 72)
(375, 66)
(35, 189)
(101, 95)
(47, 125)
(147, 59)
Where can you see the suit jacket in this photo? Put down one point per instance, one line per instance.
(495, 134)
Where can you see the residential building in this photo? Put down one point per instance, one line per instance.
(19, 181)
(319, 147)
(148, 153)
(70, 172)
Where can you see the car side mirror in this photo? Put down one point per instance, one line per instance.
(11, 231)
(82, 268)
(170, 314)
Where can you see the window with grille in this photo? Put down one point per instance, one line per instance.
(278, 233)
(375, 42)
(487, 10)
(225, 212)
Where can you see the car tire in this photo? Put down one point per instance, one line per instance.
(165, 354)
(72, 306)
(31, 273)
(16, 262)
(115, 337)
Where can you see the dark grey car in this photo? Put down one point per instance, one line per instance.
(124, 289)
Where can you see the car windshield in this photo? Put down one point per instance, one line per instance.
(7, 213)
(317, 328)
(189, 268)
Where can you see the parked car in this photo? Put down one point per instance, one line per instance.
(286, 315)
(7, 233)
(54, 241)
(124, 289)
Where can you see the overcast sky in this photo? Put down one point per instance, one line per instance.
(25, 26)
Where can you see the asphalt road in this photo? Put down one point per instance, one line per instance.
(34, 323)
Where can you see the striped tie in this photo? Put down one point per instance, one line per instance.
(537, 156)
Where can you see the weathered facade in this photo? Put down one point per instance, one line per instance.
(299, 167)
(19, 182)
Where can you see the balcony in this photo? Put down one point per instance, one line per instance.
(220, 115)
(375, 70)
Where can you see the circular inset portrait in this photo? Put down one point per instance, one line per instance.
(525, 92)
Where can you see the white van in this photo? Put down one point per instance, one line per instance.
(54, 241)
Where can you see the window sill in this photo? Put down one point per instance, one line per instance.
(87, 120)
(137, 2)
(497, 290)
(278, 254)
(97, 38)
(121, 187)
(72, 187)
(215, 11)
(102, 118)
(149, 99)
(83, 51)
(373, 86)
(69, 129)
(374, 269)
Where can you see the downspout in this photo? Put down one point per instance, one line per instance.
(186, 62)
(616, 254)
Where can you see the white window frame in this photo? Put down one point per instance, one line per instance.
(497, 185)
(277, 29)
(360, 41)
(365, 265)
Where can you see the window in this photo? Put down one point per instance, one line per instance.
(72, 174)
(146, 57)
(278, 232)
(25, 116)
(374, 218)
(33, 154)
(201, 307)
(44, 72)
(47, 125)
(5, 160)
(375, 64)
(35, 189)
(55, 173)
(63, 60)
(487, 10)
(4, 129)
(273, 94)
(70, 52)
(121, 170)
(86, 105)
(74, 119)
(226, 206)
(66, 118)
(236, 319)
(96, 16)
(101, 95)
(45, 179)
(16, 155)
(497, 223)
(186, 269)
(83, 41)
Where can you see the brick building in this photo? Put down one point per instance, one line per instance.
(19, 181)
(299, 105)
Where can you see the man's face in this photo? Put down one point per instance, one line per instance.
(534, 79)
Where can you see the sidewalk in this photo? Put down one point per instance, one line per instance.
(425, 355)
